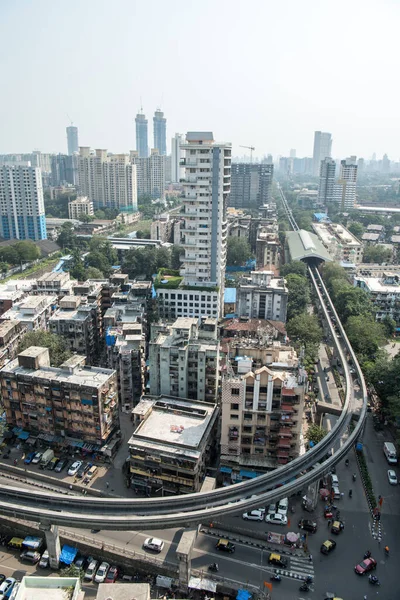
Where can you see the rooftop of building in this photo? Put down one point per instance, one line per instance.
(6, 326)
(370, 237)
(123, 591)
(81, 200)
(53, 277)
(303, 245)
(48, 588)
(373, 227)
(28, 308)
(327, 231)
(395, 239)
(247, 324)
(262, 279)
(173, 424)
(389, 283)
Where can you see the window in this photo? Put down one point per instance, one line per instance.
(235, 391)
(248, 416)
(234, 406)
(234, 417)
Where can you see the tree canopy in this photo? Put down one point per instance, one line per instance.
(238, 251)
(58, 347)
(315, 433)
(365, 335)
(305, 328)
(377, 254)
(22, 251)
(299, 294)
(297, 267)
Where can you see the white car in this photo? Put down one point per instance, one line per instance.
(90, 571)
(283, 506)
(272, 509)
(36, 458)
(102, 572)
(392, 477)
(276, 519)
(254, 515)
(74, 468)
(6, 587)
(153, 544)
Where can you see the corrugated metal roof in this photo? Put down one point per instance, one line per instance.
(297, 249)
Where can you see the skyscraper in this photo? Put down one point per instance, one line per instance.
(176, 157)
(250, 185)
(108, 181)
(327, 174)
(142, 146)
(344, 190)
(322, 149)
(72, 139)
(150, 174)
(21, 203)
(206, 186)
(160, 132)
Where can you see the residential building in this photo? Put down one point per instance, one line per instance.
(142, 145)
(64, 170)
(262, 296)
(326, 185)
(53, 284)
(322, 149)
(184, 360)
(250, 185)
(11, 334)
(12, 292)
(33, 312)
(72, 139)
(268, 247)
(384, 292)
(80, 206)
(21, 204)
(345, 188)
(70, 401)
(262, 411)
(200, 287)
(150, 174)
(160, 132)
(172, 444)
(369, 238)
(78, 324)
(176, 157)
(108, 180)
(341, 244)
(161, 228)
(126, 353)
(38, 588)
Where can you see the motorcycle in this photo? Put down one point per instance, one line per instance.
(374, 580)
(354, 476)
(347, 462)
(213, 568)
(304, 588)
(367, 554)
(276, 578)
(308, 579)
(350, 493)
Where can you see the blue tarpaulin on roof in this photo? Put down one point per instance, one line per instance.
(226, 470)
(24, 435)
(250, 474)
(230, 295)
(68, 554)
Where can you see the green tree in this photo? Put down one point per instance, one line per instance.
(315, 433)
(143, 234)
(72, 571)
(331, 271)
(389, 326)
(352, 302)
(365, 335)
(76, 268)
(27, 250)
(10, 255)
(100, 214)
(98, 260)
(67, 237)
(297, 267)
(299, 294)
(57, 345)
(93, 273)
(304, 329)
(176, 253)
(356, 229)
(238, 251)
(3, 267)
(377, 254)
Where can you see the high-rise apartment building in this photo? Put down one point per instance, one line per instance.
(322, 149)
(142, 145)
(250, 185)
(160, 132)
(327, 174)
(262, 296)
(21, 203)
(64, 169)
(345, 188)
(108, 180)
(71, 401)
(80, 206)
(72, 139)
(176, 157)
(150, 174)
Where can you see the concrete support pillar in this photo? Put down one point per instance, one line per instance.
(52, 543)
(184, 554)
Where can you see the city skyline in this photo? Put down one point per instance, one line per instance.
(273, 114)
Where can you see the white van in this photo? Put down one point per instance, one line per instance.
(283, 506)
(336, 492)
(334, 480)
(389, 451)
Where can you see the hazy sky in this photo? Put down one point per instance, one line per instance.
(261, 72)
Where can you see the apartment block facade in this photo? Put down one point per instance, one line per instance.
(11, 334)
(262, 296)
(151, 175)
(33, 312)
(80, 206)
(184, 360)
(384, 292)
(251, 185)
(71, 401)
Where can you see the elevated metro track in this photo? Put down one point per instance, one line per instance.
(182, 511)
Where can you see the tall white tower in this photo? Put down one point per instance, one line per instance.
(322, 149)
(176, 157)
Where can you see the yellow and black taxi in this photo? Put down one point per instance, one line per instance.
(225, 545)
(328, 546)
(277, 560)
(337, 527)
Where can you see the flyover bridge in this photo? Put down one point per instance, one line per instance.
(182, 511)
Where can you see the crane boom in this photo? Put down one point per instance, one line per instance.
(251, 148)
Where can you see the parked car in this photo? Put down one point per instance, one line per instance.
(308, 525)
(276, 519)
(254, 515)
(74, 468)
(112, 574)
(30, 556)
(225, 546)
(328, 546)
(102, 572)
(44, 560)
(84, 468)
(283, 506)
(53, 463)
(29, 457)
(91, 472)
(60, 465)
(272, 509)
(154, 544)
(36, 458)
(368, 564)
(91, 571)
(6, 587)
(392, 477)
(83, 561)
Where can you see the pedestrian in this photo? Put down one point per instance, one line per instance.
(310, 558)
(107, 484)
(329, 523)
(341, 495)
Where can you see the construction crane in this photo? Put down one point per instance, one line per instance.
(251, 148)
